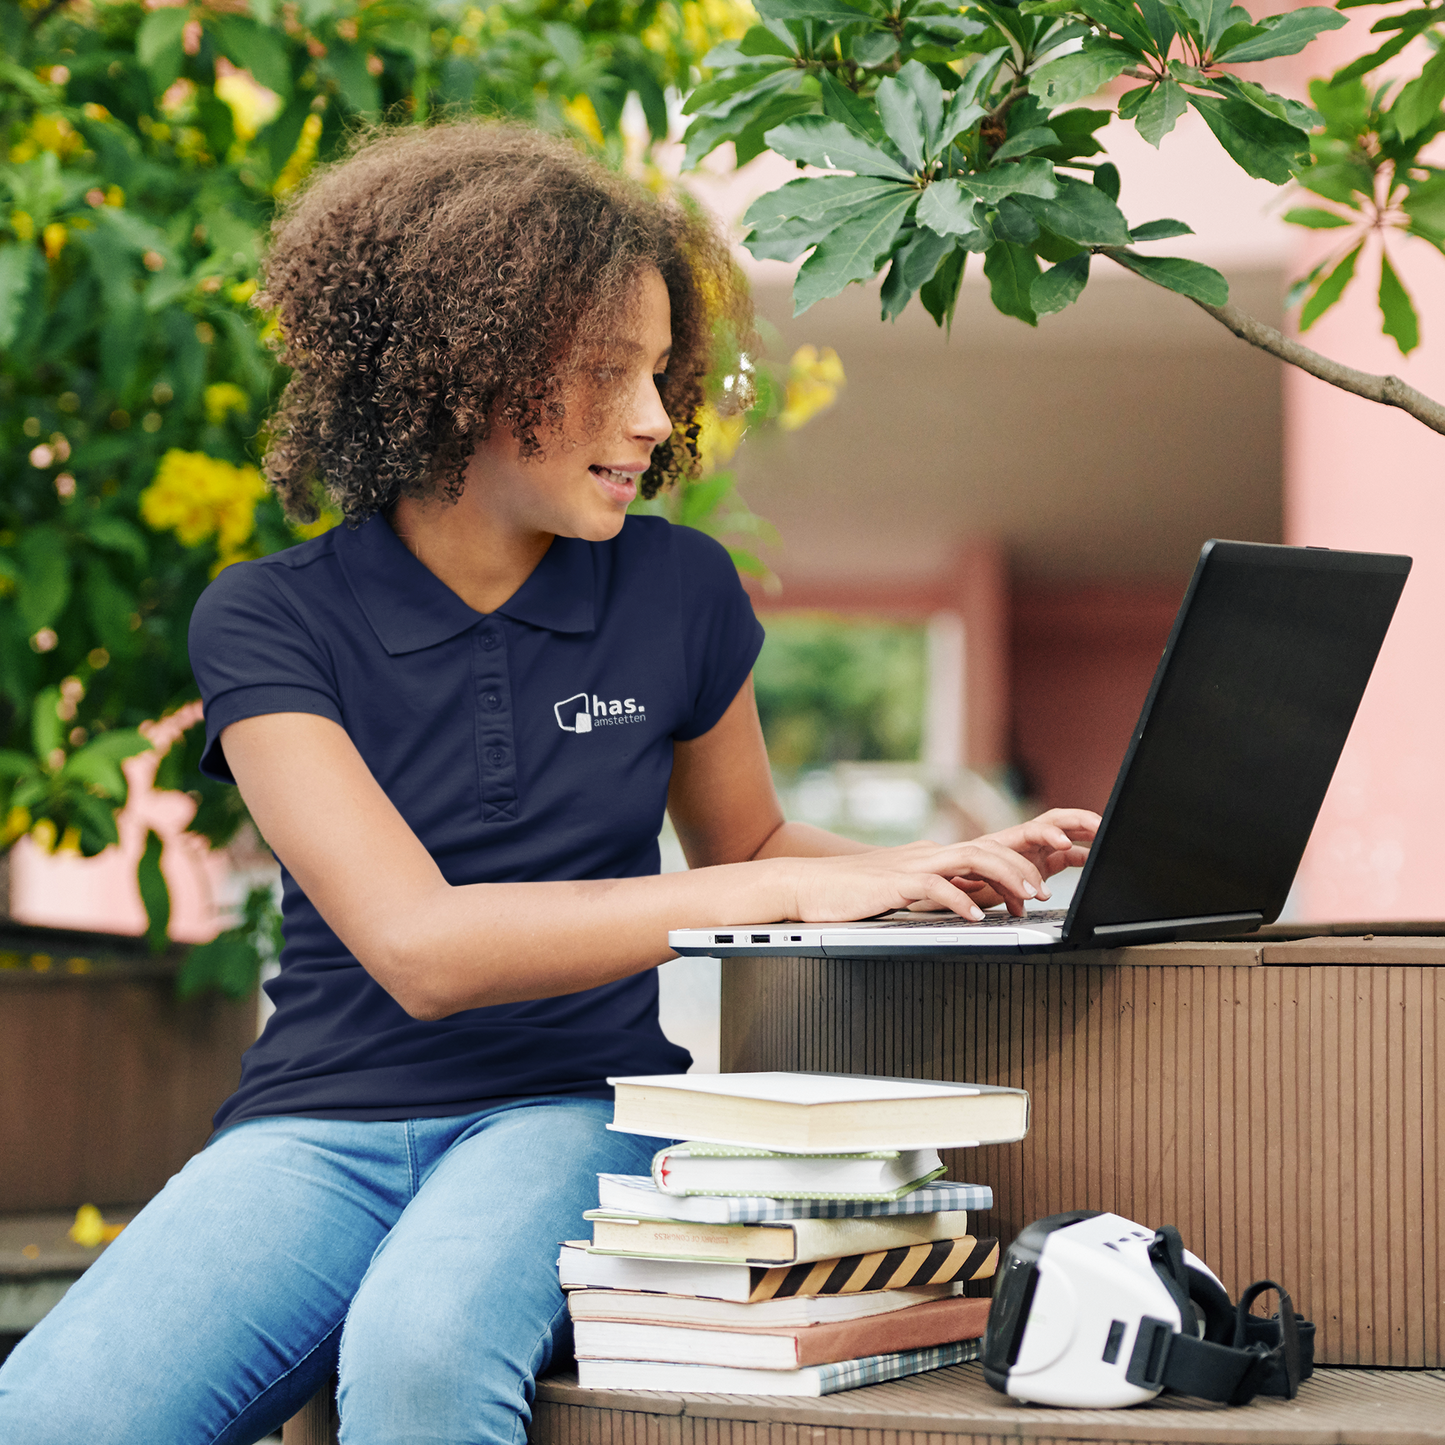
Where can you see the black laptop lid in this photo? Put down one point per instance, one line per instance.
(1237, 741)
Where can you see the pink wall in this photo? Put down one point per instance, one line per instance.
(1359, 475)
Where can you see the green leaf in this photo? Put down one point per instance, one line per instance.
(817, 198)
(1419, 102)
(256, 48)
(1160, 110)
(853, 251)
(229, 963)
(153, 893)
(97, 823)
(346, 64)
(1425, 205)
(1285, 34)
(1012, 271)
(1211, 16)
(108, 608)
(119, 743)
(1188, 278)
(818, 141)
(947, 209)
(44, 577)
(115, 534)
(1160, 230)
(939, 296)
(47, 732)
(1329, 290)
(1029, 177)
(751, 140)
(1106, 178)
(828, 10)
(1011, 222)
(1372, 61)
(913, 265)
(158, 45)
(842, 105)
(903, 120)
(1262, 145)
(873, 47)
(97, 770)
(931, 101)
(1074, 77)
(960, 116)
(1035, 138)
(1060, 285)
(1123, 20)
(17, 265)
(737, 88)
(759, 40)
(1159, 22)
(1083, 213)
(15, 764)
(1401, 323)
(1317, 219)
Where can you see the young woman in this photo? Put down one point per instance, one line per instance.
(458, 721)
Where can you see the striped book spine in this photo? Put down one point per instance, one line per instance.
(942, 1262)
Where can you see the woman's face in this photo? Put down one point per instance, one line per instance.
(582, 484)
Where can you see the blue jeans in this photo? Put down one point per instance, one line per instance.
(420, 1255)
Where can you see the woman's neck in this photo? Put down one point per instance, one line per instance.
(482, 562)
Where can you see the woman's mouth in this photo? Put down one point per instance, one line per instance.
(619, 486)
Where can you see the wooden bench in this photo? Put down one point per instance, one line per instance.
(1279, 1099)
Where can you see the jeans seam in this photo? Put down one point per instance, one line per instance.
(411, 1161)
(285, 1375)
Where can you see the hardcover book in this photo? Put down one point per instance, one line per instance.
(804, 1113)
(883, 1174)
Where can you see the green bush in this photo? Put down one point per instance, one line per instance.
(144, 153)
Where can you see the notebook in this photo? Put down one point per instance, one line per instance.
(1221, 784)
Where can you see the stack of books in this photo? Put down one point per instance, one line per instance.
(801, 1242)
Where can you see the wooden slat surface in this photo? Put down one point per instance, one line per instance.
(956, 1407)
(1284, 1117)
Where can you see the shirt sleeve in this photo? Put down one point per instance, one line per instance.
(252, 653)
(721, 636)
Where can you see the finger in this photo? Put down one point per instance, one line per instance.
(946, 895)
(1013, 877)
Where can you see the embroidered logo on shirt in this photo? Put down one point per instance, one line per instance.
(587, 710)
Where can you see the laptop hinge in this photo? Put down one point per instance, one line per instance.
(1216, 925)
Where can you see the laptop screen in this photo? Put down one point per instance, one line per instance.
(1238, 739)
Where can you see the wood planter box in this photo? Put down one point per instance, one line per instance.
(1279, 1100)
(107, 1080)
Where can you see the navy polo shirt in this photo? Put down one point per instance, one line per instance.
(526, 744)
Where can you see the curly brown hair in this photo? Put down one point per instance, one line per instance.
(439, 282)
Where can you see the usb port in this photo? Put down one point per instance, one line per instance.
(722, 938)
(797, 938)
(762, 937)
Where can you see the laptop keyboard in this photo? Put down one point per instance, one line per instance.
(1039, 916)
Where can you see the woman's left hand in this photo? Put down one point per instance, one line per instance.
(1053, 841)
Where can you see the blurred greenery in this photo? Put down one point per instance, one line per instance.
(834, 689)
(143, 151)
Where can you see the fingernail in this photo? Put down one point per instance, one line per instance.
(1044, 893)
(976, 914)
(1029, 891)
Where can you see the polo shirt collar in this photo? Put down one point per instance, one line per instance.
(410, 608)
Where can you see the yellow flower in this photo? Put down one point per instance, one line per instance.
(23, 226)
(221, 398)
(242, 291)
(582, 114)
(295, 169)
(48, 133)
(90, 1228)
(324, 523)
(198, 497)
(718, 437)
(54, 236)
(253, 107)
(813, 381)
(114, 196)
(17, 825)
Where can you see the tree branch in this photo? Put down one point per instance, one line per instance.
(1387, 390)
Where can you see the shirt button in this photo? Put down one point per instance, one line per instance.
(492, 701)
(496, 757)
(489, 641)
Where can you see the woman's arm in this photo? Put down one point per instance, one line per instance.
(438, 948)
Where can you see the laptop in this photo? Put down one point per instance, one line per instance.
(1224, 776)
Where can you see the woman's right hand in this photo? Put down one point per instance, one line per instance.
(860, 885)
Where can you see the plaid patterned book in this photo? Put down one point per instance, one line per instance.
(727, 1380)
(636, 1194)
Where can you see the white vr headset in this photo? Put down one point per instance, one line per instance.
(1094, 1311)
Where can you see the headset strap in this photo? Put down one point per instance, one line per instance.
(1230, 1374)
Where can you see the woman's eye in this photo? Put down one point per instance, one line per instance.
(659, 379)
